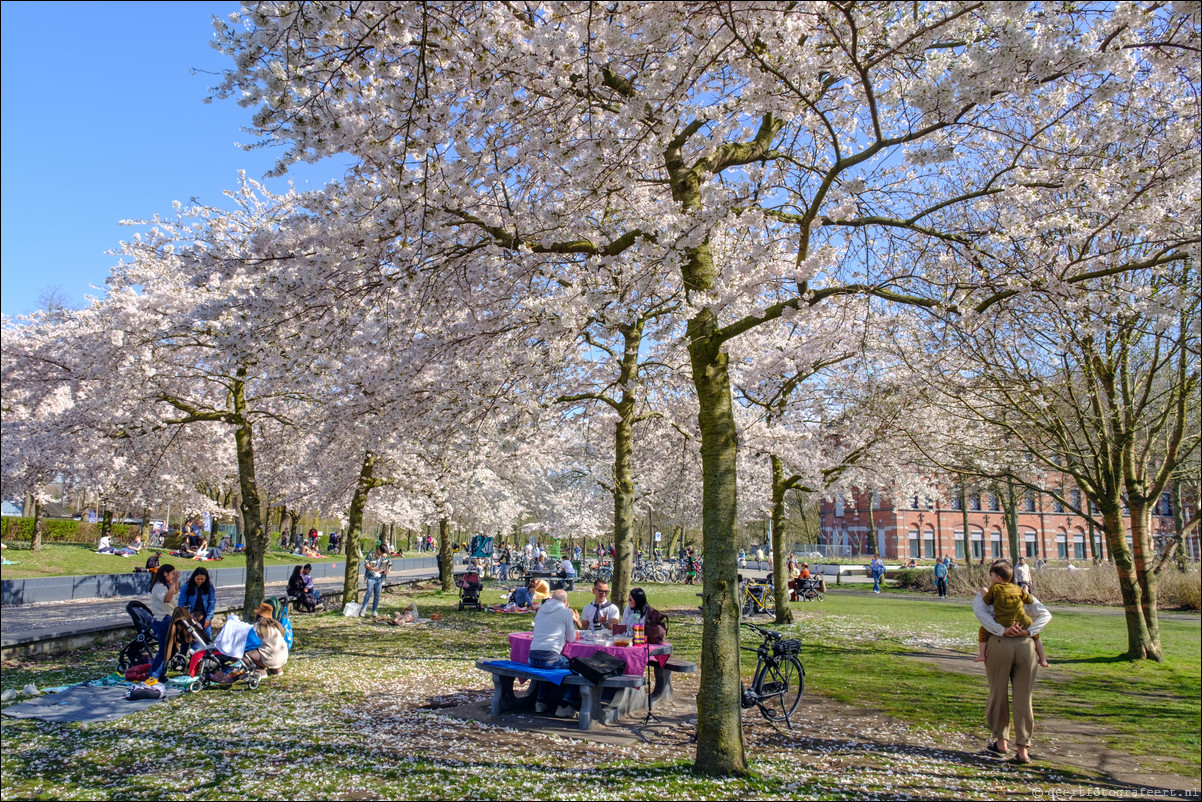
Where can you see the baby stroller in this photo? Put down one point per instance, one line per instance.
(141, 649)
(211, 666)
(469, 591)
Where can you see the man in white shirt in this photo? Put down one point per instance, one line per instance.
(600, 612)
(554, 626)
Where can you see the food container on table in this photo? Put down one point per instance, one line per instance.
(622, 640)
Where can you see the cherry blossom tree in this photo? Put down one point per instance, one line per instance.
(832, 143)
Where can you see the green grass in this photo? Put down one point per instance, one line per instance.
(70, 559)
(369, 694)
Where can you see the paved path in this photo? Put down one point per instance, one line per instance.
(55, 618)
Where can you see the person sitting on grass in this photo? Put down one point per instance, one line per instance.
(106, 545)
(272, 651)
(1008, 600)
(523, 597)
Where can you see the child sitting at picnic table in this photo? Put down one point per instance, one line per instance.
(1007, 600)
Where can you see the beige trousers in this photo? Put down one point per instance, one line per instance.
(1011, 661)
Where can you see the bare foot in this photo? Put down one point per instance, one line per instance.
(1044, 663)
(979, 659)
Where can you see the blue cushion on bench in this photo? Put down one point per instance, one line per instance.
(555, 675)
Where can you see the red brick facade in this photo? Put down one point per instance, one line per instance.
(933, 529)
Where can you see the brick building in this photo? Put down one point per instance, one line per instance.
(926, 528)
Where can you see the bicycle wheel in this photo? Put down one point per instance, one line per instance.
(748, 607)
(781, 689)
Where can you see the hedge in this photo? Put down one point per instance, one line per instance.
(61, 530)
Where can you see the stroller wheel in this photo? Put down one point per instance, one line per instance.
(253, 682)
(197, 685)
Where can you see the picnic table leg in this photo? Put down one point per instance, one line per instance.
(590, 704)
(502, 694)
(663, 685)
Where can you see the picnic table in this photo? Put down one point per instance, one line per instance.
(607, 701)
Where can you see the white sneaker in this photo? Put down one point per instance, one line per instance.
(540, 707)
(564, 711)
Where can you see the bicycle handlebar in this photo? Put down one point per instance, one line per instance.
(767, 633)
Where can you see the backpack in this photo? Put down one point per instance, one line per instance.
(655, 624)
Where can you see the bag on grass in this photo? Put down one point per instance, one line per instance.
(597, 667)
(352, 609)
(142, 692)
(138, 673)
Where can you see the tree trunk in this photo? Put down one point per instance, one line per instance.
(964, 525)
(447, 574)
(1179, 522)
(36, 542)
(1139, 641)
(256, 537)
(354, 530)
(784, 614)
(623, 510)
(106, 524)
(1011, 517)
(1144, 560)
(1093, 543)
(720, 749)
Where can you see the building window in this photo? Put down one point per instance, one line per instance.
(1074, 498)
(930, 502)
(914, 503)
(928, 543)
(839, 506)
(1032, 549)
(978, 544)
(1166, 504)
(1061, 545)
(1057, 505)
(955, 502)
(974, 502)
(995, 503)
(959, 537)
(914, 552)
(995, 543)
(1079, 545)
(1029, 501)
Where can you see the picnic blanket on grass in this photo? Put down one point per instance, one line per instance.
(555, 675)
(84, 703)
(501, 608)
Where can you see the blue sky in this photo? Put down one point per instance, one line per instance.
(104, 121)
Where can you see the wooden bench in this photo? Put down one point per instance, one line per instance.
(591, 696)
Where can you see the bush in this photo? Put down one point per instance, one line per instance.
(1096, 584)
(61, 530)
(920, 579)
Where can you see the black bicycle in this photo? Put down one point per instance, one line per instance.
(779, 676)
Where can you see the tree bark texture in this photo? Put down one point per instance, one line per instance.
(447, 575)
(256, 537)
(354, 530)
(36, 544)
(720, 749)
(784, 614)
(1144, 559)
(1139, 641)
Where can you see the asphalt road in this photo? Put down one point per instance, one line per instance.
(58, 617)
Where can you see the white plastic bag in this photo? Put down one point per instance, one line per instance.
(352, 609)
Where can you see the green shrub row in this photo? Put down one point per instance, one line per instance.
(60, 530)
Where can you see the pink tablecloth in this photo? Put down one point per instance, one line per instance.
(635, 656)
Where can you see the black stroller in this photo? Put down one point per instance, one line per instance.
(470, 587)
(142, 648)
